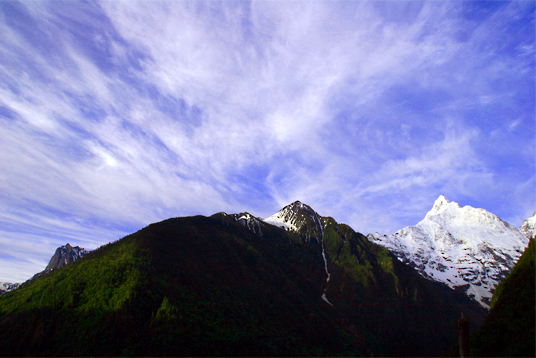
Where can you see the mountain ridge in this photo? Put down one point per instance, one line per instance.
(233, 285)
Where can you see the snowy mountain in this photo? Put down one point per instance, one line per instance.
(6, 287)
(465, 248)
(528, 228)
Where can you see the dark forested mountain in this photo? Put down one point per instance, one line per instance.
(230, 285)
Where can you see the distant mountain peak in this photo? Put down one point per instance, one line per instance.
(461, 247)
(64, 255)
(440, 202)
(298, 205)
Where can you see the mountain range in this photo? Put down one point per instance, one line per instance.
(296, 283)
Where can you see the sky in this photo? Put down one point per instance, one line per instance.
(115, 115)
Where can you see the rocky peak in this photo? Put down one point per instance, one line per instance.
(65, 255)
(251, 222)
(299, 217)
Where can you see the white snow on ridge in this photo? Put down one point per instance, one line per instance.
(278, 220)
(249, 221)
(459, 247)
(6, 287)
(528, 228)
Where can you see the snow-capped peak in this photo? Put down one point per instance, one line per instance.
(298, 217)
(459, 246)
(440, 205)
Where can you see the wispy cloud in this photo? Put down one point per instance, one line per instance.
(117, 114)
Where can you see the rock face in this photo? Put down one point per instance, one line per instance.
(528, 228)
(65, 255)
(300, 218)
(466, 248)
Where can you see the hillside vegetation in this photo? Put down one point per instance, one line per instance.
(209, 286)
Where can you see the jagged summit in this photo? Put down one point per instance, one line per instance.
(298, 217)
(464, 247)
(442, 205)
(251, 222)
(65, 255)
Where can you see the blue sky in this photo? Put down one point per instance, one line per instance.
(114, 115)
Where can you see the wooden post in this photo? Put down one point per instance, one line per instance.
(463, 331)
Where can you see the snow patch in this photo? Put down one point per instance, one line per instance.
(528, 228)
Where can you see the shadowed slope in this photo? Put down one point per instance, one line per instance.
(231, 285)
(187, 286)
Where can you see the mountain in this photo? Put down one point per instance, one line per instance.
(373, 288)
(6, 287)
(300, 218)
(465, 248)
(235, 285)
(303, 220)
(528, 228)
(64, 255)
